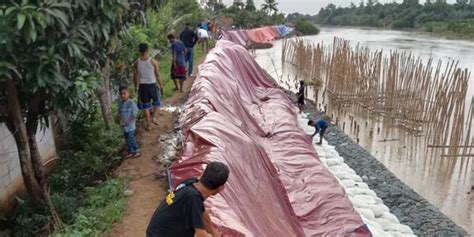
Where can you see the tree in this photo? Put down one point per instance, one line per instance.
(215, 6)
(250, 6)
(270, 6)
(238, 5)
(56, 54)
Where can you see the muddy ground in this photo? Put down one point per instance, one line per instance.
(147, 184)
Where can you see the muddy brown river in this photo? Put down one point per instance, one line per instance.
(443, 180)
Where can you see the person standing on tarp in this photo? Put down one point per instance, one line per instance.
(189, 39)
(178, 65)
(300, 95)
(182, 213)
(321, 125)
(145, 76)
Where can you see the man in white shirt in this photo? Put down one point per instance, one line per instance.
(145, 76)
(203, 36)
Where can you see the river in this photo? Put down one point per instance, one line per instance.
(443, 181)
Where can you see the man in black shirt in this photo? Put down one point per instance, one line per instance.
(189, 38)
(182, 213)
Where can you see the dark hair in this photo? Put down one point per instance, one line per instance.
(302, 82)
(171, 36)
(310, 122)
(187, 24)
(215, 175)
(121, 88)
(143, 48)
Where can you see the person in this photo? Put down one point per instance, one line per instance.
(300, 95)
(321, 125)
(178, 65)
(189, 39)
(205, 24)
(145, 76)
(203, 39)
(182, 212)
(127, 110)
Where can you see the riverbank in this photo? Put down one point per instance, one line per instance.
(434, 30)
(410, 208)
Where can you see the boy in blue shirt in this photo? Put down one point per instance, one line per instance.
(321, 125)
(128, 110)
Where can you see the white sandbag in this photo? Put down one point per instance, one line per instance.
(392, 218)
(348, 183)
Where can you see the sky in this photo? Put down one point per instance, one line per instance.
(311, 6)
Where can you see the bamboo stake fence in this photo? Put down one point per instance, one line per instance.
(421, 97)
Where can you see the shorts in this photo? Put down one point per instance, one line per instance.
(179, 72)
(323, 130)
(301, 100)
(148, 93)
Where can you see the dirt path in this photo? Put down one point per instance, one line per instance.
(145, 174)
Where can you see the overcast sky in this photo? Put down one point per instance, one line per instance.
(310, 6)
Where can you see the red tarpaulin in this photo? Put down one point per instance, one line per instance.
(258, 35)
(277, 186)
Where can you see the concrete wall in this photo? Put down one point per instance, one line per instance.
(10, 173)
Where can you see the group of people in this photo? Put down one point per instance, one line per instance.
(182, 212)
(148, 83)
(321, 124)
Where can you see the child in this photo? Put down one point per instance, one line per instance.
(128, 112)
(321, 125)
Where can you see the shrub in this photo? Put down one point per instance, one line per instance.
(103, 206)
(88, 157)
(306, 28)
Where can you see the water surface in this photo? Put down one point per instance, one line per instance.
(443, 181)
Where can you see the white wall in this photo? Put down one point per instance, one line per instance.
(10, 172)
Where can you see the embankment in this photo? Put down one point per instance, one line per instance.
(236, 114)
(258, 36)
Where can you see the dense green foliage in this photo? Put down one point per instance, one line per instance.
(70, 49)
(88, 157)
(169, 19)
(438, 16)
(52, 47)
(306, 27)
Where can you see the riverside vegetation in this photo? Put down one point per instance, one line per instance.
(66, 78)
(246, 15)
(433, 16)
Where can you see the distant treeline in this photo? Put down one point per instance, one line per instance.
(437, 17)
(247, 15)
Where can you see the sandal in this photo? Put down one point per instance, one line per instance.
(136, 155)
(155, 121)
(129, 155)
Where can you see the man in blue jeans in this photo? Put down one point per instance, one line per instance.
(189, 39)
(321, 125)
(128, 112)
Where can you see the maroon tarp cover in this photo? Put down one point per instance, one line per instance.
(258, 35)
(277, 186)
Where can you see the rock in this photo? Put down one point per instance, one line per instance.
(128, 193)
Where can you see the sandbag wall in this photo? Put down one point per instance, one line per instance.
(258, 35)
(277, 186)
